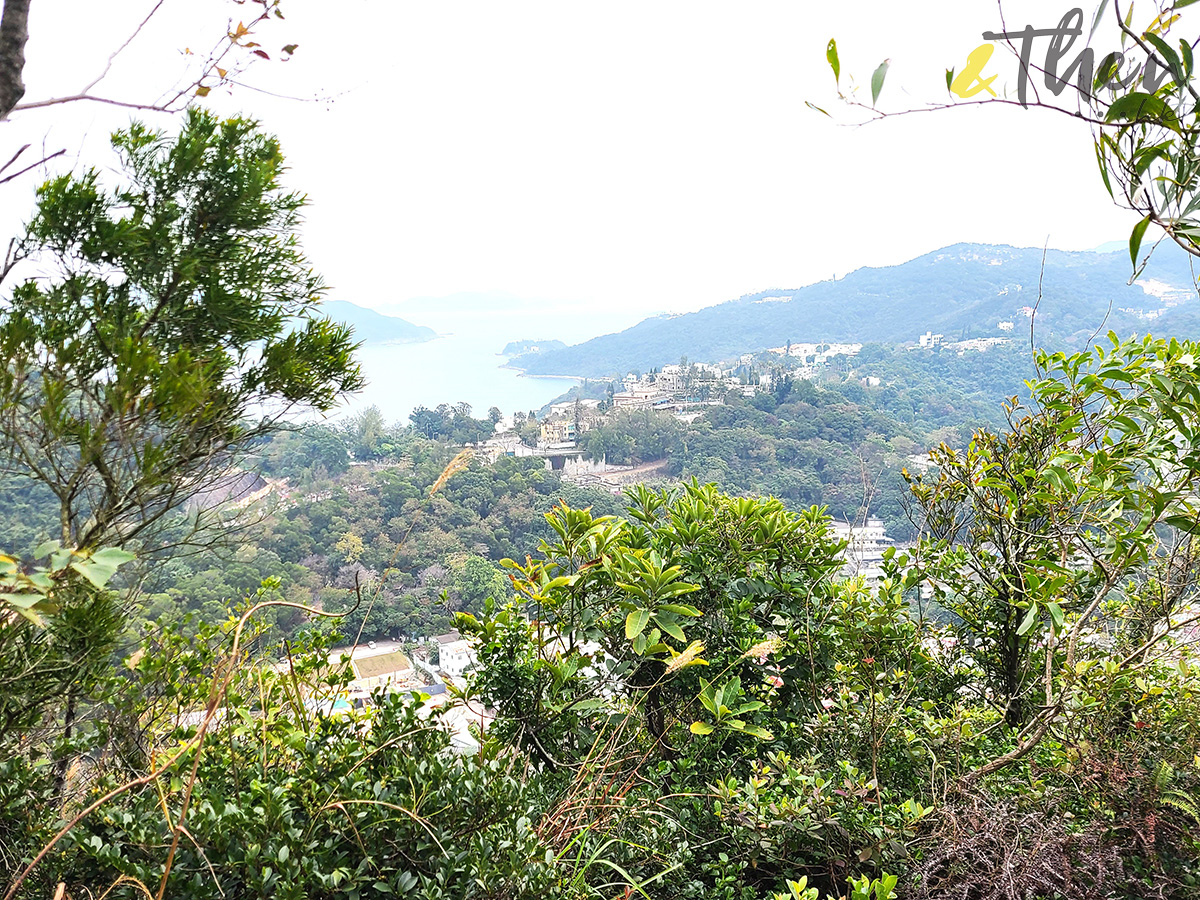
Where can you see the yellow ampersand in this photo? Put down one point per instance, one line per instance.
(971, 81)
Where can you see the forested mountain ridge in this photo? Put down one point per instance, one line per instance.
(961, 291)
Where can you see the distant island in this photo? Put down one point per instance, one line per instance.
(375, 328)
(516, 348)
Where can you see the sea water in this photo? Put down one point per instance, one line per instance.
(463, 364)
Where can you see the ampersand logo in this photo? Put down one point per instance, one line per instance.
(971, 81)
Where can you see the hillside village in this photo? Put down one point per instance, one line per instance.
(686, 388)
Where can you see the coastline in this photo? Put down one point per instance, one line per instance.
(521, 373)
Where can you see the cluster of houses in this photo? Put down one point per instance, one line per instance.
(815, 358)
(931, 341)
(385, 666)
(678, 387)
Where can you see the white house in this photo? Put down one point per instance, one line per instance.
(929, 339)
(455, 654)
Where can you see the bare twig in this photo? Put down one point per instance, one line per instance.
(112, 57)
(18, 174)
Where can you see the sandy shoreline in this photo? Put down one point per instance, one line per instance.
(523, 374)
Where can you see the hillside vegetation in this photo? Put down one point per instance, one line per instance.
(675, 694)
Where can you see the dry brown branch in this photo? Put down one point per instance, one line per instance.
(985, 850)
(221, 62)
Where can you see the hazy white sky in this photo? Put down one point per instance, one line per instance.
(643, 155)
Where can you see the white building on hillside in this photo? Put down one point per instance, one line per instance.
(455, 654)
(929, 339)
(865, 548)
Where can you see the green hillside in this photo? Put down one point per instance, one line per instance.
(961, 291)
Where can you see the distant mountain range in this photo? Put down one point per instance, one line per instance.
(375, 328)
(962, 291)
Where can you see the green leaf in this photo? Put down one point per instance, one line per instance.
(1135, 239)
(98, 575)
(586, 705)
(1056, 614)
(761, 733)
(680, 609)
(673, 630)
(32, 616)
(46, 548)
(1096, 20)
(877, 81)
(636, 622)
(831, 54)
(1029, 620)
(949, 79)
(1168, 53)
(817, 108)
(22, 601)
(1138, 106)
(1105, 72)
(111, 556)
(700, 728)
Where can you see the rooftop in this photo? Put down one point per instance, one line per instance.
(381, 664)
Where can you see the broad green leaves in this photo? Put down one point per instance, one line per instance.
(1028, 531)
(31, 593)
(1138, 107)
(622, 615)
(725, 705)
(647, 583)
(636, 622)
